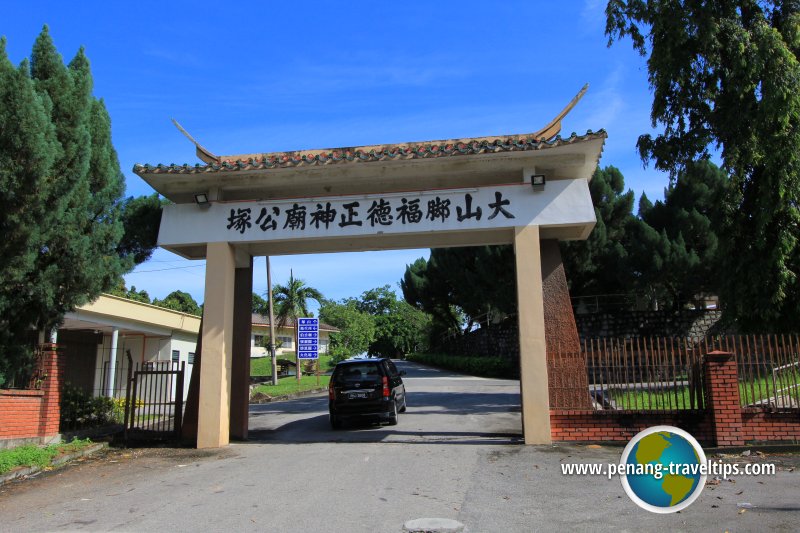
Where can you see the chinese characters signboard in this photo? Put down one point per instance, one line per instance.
(502, 206)
(307, 338)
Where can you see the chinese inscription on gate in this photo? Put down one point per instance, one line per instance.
(376, 213)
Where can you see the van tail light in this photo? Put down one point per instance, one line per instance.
(385, 387)
(331, 391)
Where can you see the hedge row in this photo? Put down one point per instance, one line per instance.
(493, 367)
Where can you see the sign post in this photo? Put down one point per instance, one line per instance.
(308, 341)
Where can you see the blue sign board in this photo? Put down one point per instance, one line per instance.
(308, 338)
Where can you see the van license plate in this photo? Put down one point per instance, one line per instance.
(357, 395)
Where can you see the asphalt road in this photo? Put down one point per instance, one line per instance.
(455, 454)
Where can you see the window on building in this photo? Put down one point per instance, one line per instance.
(286, 342)
(176, 356)
(258, 340)
(191, 358)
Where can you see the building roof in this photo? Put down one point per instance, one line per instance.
(261, 320)
(108, 311)
(367, 154)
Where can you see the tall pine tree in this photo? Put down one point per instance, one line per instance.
(599, 265)
(62, 185)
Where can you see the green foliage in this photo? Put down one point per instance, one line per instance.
(725, 76)
(141, 218)
(260, 305)
(61, 186)
(675, 247)
(81, 410)
(179, 301)
(40, 456)
(356, 328)
(340, 353)
(598, 264)
(399, 327)
(462, 285)
(131, 294)
(498, 367)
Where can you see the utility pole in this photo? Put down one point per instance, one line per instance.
(271, 327)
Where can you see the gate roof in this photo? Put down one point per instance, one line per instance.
(467, 162)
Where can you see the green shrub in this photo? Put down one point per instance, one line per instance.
(496, 367)
(338, 353)
(80, 410)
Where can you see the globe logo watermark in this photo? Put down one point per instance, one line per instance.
(664, 469)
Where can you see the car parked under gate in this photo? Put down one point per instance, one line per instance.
(366, 388)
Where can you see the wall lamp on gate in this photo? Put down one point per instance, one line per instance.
(537, 182)
(202, 199)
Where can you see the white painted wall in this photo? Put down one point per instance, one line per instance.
(156, 349)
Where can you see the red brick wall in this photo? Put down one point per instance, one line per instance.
(759, 425)
(26, 414)
(19, 413)
(620, 426)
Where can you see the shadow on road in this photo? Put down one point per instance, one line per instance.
(420, 403)
(316, 429)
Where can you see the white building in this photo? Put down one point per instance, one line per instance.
(152, 336)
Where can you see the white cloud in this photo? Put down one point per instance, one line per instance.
(593, 15)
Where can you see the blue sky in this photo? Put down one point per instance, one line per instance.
(247, 77)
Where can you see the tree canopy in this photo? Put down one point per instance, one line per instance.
(599, 264)
(356, 328)
(459, 287)
(674, 247)
(179, 301)
(725, 78)
(61, 186)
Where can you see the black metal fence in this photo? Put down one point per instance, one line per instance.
(154, 400)
(666, 374)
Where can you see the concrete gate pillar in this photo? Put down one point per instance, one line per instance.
(217, 337)
(242, 328)
(532, 346)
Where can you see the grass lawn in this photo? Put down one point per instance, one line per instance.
(289, 385)
(750, 392)
(263, 365)
(648, 400)
(31, 455)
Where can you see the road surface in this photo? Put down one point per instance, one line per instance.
(455, 454)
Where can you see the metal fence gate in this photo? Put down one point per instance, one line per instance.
(154, 401)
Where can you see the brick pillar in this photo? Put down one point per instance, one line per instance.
(568, 379)
(50, 412)
(722, 398)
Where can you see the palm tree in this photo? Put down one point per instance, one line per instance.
(292, 303)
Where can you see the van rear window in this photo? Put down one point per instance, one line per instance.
(357, 372)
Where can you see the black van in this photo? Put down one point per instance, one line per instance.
(363, 388)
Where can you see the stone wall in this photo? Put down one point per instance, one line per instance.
(626, 324)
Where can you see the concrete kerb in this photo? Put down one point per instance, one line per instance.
(25, 471)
